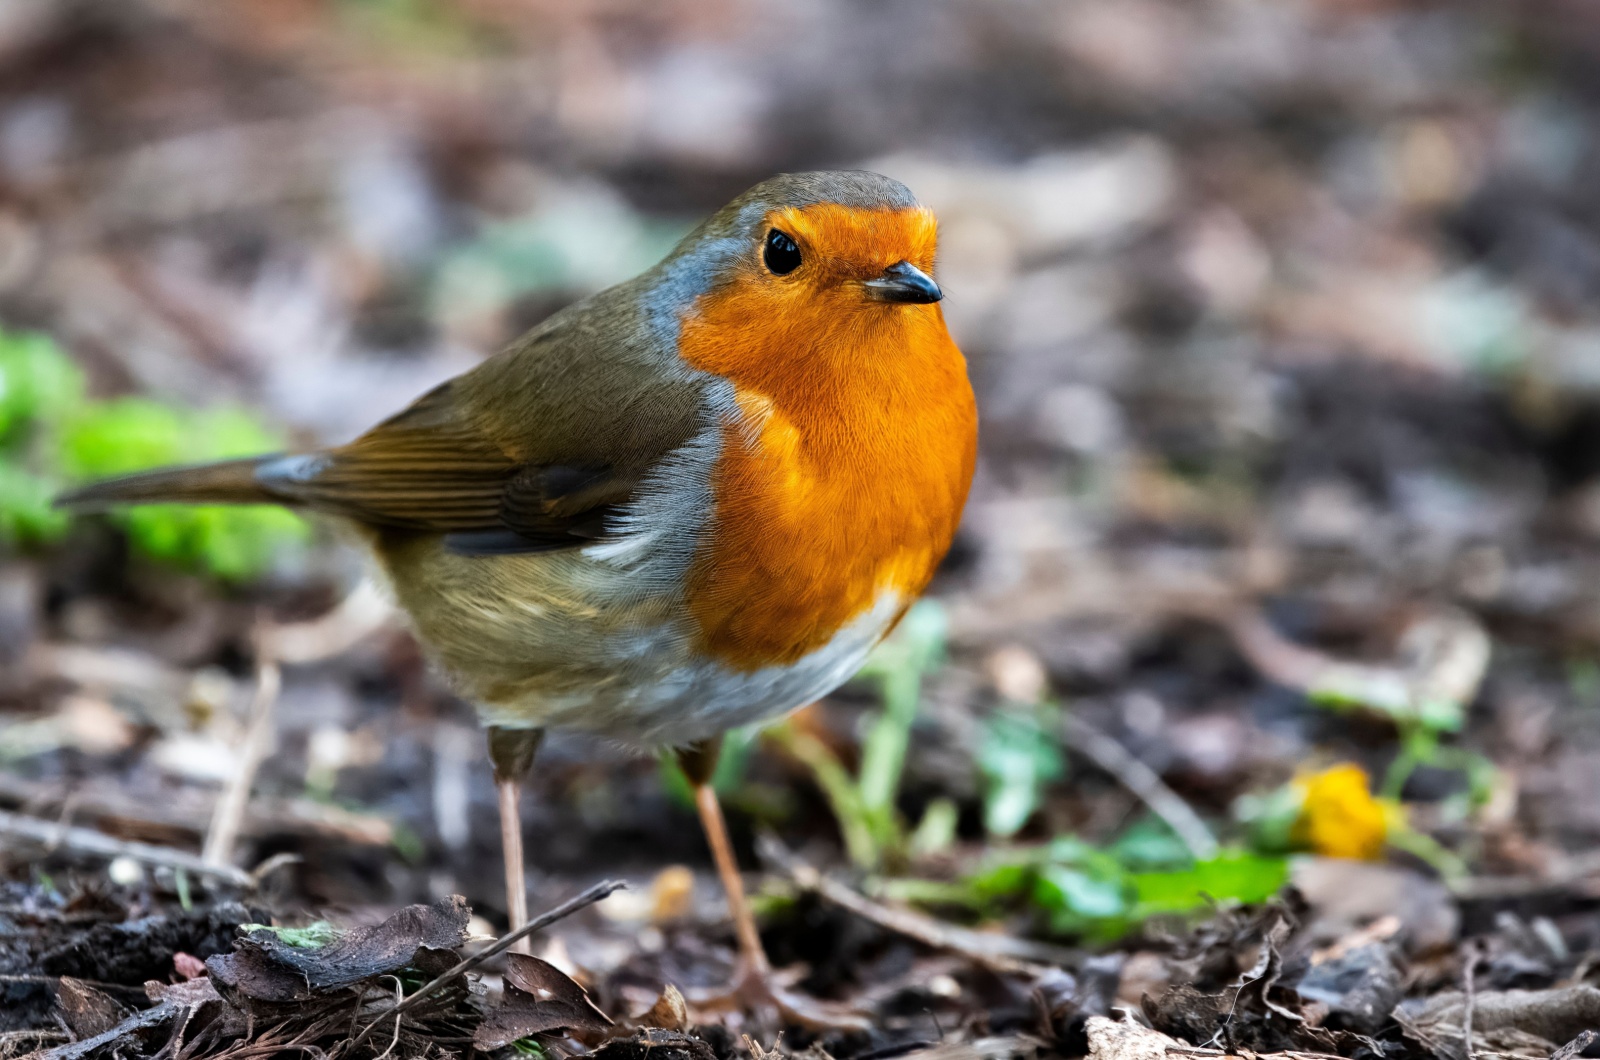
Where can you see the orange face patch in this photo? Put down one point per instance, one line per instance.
(847, 475)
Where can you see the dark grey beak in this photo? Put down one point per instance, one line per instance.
(905, 283)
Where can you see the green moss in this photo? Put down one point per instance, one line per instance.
(52, 435)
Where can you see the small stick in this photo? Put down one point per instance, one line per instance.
(1467, 976)
(55, 980)
(359, 615)
(594, 894)
(189, 813)
(399, 996)
(1449, 655)
(87, 841)
(1000, 953)
(1144, 782)
(224, 831)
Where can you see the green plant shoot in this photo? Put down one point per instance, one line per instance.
(864, 805)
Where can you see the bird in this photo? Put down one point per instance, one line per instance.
(692, 501)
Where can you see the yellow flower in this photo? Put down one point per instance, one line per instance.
(1339, 818)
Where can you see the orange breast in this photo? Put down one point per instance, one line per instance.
(848, 471)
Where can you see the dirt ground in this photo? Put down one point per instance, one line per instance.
(1281, 317)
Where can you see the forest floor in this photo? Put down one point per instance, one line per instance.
(1256, 710)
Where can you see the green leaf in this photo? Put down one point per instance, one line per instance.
(231, 542)
(1150, 845)
(1270, 817)
(915, 647)
(1001, 881)
(38, 382)
(122, 436)
(844, 797)
(936, 832)
(1236, 876)
(26, 515)
(1088, 893)
(1018, 757)
(313, 936)
(1349, 686)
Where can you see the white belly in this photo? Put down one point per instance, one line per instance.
(663, 695)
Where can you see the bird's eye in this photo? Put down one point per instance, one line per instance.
(781, 253)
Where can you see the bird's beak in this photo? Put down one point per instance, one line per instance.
(903, 282)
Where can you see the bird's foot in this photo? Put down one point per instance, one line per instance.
(760, 991)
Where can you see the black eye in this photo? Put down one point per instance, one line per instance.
(781, 253)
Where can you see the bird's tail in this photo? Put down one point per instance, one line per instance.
(228, 482)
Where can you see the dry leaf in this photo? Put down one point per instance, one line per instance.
(669, 1012)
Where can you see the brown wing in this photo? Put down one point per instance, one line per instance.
(535, 449)
(428, 470)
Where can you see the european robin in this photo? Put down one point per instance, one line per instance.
(693, 501)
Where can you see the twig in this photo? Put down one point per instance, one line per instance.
(145, 1020)
(86, 841)
(281, 860)
(187, 813)
(1468, 975)
(594, 894)
(41, 1038)
(359, 615)
(991, 1048)
(55, 980)
(224, 831)
(399, 996)
(1290, 1054)
(1444, 655)
(1144, 782)
(1001, 953)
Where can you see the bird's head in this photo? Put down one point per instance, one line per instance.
(846, 235)
(829, 263)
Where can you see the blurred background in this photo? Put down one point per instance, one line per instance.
(1284, 320)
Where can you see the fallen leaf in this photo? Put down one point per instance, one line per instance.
(1510, 1020)
(1360, 987)
(1346, 895)
(188, 966)
(88, 1012)
(654, 1044)
(539, 998)
(669, 1012)
(1111, 1039)
(264, 967)
(1585, 1044)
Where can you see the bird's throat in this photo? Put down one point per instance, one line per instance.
(842, 476)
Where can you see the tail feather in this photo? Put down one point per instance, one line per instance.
(229, 482)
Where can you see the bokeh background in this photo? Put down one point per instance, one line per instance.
(1283, 315)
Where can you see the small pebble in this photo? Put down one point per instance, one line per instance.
(671, 893)
(125, 872)
(1017, 674)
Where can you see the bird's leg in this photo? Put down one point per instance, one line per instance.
(754, 984)
(699, 762)
(512, 752)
